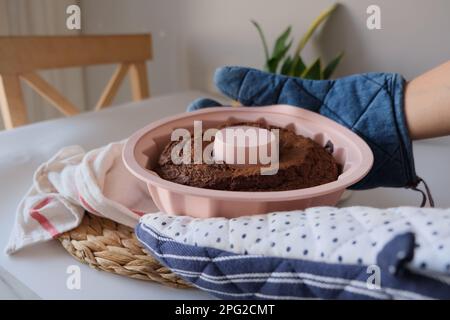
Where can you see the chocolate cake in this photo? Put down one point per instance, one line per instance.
(303, 163)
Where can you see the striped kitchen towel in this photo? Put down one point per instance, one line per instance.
(71, 182)
(327, 253)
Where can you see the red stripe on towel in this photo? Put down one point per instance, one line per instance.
(139, 213)
(43, 221)
(87, 205)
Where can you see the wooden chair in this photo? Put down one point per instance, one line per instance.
(21, 57)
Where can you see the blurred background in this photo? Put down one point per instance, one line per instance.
(191, 38)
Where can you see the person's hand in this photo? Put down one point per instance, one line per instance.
(371, 105)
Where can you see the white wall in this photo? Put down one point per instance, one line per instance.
(193, 37)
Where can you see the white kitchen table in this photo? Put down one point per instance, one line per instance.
(40, 271)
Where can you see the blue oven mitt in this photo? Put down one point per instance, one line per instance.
(370, 104)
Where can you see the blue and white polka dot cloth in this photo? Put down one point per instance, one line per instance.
(346, 253)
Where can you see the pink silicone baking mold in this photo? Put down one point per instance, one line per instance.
(143, 148)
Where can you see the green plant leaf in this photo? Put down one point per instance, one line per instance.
(329, 69)
(263, 39)
(275, 60)
(314, 25)
(280, 49)
(313, 72)
(280, 43)
(298, 68)
(286, 66)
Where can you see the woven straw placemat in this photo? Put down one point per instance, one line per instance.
(106, 245)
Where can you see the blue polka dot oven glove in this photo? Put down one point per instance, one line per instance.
(327, 253)
(371, 105)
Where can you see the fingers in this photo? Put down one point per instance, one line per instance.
(253, 87)
(202, 103)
